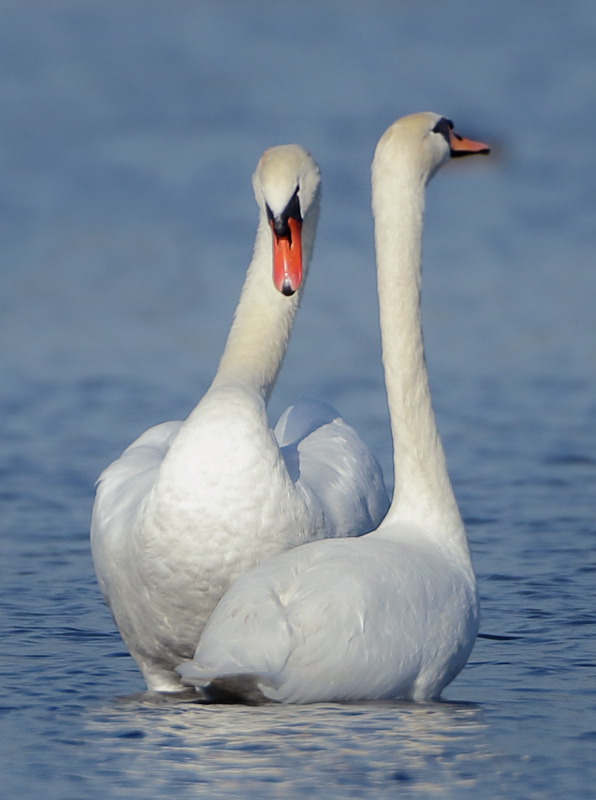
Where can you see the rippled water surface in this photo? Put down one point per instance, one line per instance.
(128, 134)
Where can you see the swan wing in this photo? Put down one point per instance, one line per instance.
(341, 620)
(289, 624)
(262, 623)
(303, 418)
(122, 489)
(330, 462)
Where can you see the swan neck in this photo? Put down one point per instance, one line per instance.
(263, 319)
(423, 494)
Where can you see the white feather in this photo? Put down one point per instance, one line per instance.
(192, 505)
(393, 614)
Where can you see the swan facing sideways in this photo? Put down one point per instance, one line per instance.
(191, 505)
(393, 614)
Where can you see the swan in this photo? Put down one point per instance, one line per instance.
(393, 614)
(190, 506)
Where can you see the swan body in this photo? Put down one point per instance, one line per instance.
(393, 614)
(190, 506)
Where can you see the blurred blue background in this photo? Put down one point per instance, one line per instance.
(128, 135)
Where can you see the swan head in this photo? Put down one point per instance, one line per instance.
(425, 141)
(287, 185)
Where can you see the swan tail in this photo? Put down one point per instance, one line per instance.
(236, 689)
(242, 688)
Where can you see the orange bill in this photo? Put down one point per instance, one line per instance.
(460, 146)
(287, 258)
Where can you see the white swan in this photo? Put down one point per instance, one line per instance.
(190, 506)
(393, 614)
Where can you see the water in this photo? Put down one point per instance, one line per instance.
(128, 135)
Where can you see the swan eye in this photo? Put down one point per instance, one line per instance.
(444, 126)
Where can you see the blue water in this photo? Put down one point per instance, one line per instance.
(128, 134)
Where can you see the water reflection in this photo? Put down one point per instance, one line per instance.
(240, 751)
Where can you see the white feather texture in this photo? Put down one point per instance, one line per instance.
(393, 614)
(192, 505)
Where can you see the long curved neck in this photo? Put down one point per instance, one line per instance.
(423, 493)
(260, 333)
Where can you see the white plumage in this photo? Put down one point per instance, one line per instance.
(393, 614)
(190, 506)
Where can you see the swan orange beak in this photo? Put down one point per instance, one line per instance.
(287, 258)
(461, 146)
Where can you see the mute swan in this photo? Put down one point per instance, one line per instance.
(190, 506)
(393, 614)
